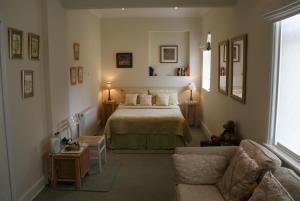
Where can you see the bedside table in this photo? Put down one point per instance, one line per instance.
(190, 112)
(108, 108)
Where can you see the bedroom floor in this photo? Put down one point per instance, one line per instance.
(152, 179)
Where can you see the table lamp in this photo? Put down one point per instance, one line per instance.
(191, 87)
(108, 85)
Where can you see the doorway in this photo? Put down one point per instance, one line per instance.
(5, 178)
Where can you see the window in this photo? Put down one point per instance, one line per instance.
(285, 111)
(206, 67)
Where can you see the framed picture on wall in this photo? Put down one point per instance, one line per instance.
(33, 46)
(169, 54)
(236, 53)
(73, 75)
(80, 74)
(124, 60)
(27, 83)
(15, 43)
(76, 49)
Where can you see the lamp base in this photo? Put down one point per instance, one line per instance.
(191, 96)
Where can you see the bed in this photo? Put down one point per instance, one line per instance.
(147, 127)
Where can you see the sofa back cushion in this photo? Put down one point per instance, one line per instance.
(199, 169)
(289, 180)
(262, 156)
(270, 189)
(240, 177)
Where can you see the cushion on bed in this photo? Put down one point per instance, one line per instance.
(162, 99)
(173, 100)
(130, 99)
(145, 100)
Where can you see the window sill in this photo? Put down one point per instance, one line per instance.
(285, 157)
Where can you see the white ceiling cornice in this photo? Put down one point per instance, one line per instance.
(101, 4)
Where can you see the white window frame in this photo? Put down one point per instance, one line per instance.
(275, 17)
(203, 68)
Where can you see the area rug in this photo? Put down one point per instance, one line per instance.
(95, 181)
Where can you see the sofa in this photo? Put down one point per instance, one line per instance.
(198, 169)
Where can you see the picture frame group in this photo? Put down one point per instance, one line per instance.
(16, 44)
(76, 75)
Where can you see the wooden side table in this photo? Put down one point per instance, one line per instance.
(108, 108)
(190, 112)
(70, 167)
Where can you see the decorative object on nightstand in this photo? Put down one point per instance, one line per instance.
(192, 88)
(190, 112)
(108, 85)
(227, 138)
(108, 108)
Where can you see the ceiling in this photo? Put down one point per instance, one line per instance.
(101, 4)
(150, 13)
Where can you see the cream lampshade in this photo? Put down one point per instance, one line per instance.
(108, 85)
(192, 88)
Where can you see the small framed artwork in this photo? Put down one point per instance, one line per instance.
(124, 60)
(27, 83)
(76, 48)
(33, 46)
(73, 75)
(169, 54)
(80, 74)
(236, 53)
(15, 43)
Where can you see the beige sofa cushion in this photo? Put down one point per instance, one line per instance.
(240, 177)
(269, 189)
(289, 180)
(185, 192)
(263, 157)
(199, 169)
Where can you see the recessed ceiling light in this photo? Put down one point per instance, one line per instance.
(176, 8)
(123, 9)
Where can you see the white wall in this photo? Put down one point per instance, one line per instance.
(26, 117)
(245, 17)
(84, 28)
(132, 35)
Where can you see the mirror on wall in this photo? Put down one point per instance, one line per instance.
(238, 68)
(223, 67)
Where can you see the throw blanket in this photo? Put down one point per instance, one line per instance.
(162, 120)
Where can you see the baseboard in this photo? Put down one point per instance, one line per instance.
(34, 190)
(206, 130)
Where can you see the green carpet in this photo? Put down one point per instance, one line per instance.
(95, 181)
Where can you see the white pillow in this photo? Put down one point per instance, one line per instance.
(130, 99)
(162, 99)
(173, 99)
(145, 100)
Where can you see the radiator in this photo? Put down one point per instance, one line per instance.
(88, 121)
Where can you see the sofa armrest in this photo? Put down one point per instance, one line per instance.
(199, 169)
(226, 151)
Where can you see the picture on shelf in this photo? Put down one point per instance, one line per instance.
(15, 43)
(27, 83)
(169, 54)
